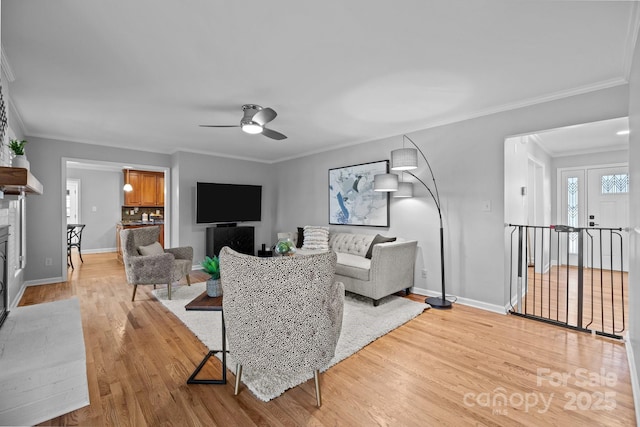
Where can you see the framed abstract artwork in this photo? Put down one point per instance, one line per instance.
(352, 200)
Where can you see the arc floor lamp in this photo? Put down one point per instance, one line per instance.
(404, 160)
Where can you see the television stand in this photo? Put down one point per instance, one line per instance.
(240, 239)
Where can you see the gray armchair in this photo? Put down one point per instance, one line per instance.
(147, 263)
(282, 314)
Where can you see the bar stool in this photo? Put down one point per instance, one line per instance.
(74, 240)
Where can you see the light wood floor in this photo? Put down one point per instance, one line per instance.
(458, 367)
(554, 295)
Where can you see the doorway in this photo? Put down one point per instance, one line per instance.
(585, 194)
(596, 196)
(72, 201)
(608, 206)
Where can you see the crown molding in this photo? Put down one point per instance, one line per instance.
(15, 118)
(6, 68)
(632, 39)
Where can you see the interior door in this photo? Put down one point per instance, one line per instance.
(608, 206)
(73, 201)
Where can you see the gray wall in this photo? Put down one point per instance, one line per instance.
(468, 162)
(190, 168)
(45, 214)
(634, 221)
(102, 190)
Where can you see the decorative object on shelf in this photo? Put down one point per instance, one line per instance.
(406, 159)
(352, 199)
(212, 267)
(285, 247)
(19, 158)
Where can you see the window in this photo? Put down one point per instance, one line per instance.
(572, 211)
(615, 184)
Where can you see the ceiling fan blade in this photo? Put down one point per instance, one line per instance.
(273, 134)
(219, 126)
(264, 116)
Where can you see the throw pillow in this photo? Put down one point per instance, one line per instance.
(375, 241)
(316, 237)
(300, 237)
(152, 249)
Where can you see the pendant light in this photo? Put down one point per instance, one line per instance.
(127, 187)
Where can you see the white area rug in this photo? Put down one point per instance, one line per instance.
(43, 368)
(362, 324)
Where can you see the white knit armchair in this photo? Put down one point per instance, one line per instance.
(282, 314)
(147, 263)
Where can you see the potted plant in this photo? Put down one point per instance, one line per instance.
(212, 267)
(19, 158)
(285, 247)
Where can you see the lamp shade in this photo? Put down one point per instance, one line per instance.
(385, 182)
(405, 189)
(127, 186)
(404, 159)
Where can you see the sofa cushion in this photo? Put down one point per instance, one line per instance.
(349, 243)
(354, 266)
(153, 249)
(375, 241)
(316, 237)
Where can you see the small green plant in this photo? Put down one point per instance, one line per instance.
(211, 266)
(285, 246)
(17, 146)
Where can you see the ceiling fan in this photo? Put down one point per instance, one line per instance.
(253, 122)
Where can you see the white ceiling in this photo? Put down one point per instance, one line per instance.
(586, 138)
(144, 74)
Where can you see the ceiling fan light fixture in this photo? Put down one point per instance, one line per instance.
(251, 127)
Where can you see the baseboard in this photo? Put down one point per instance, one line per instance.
(98, 251)
(47, 281)
(464, 301)
(635, 381)
(515, 299)
(18, 297)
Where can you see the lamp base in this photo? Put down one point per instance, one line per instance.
(439, 303)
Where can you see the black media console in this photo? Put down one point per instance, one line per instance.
(240, 239)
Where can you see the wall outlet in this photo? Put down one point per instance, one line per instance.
(424, 273)
(48, 261)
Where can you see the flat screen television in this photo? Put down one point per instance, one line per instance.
(220, 203)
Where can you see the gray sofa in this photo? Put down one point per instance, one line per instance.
(390, 269)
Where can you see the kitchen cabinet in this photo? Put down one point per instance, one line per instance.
(133, 197)
(160, 190)
(122, 226)
(148, 188)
